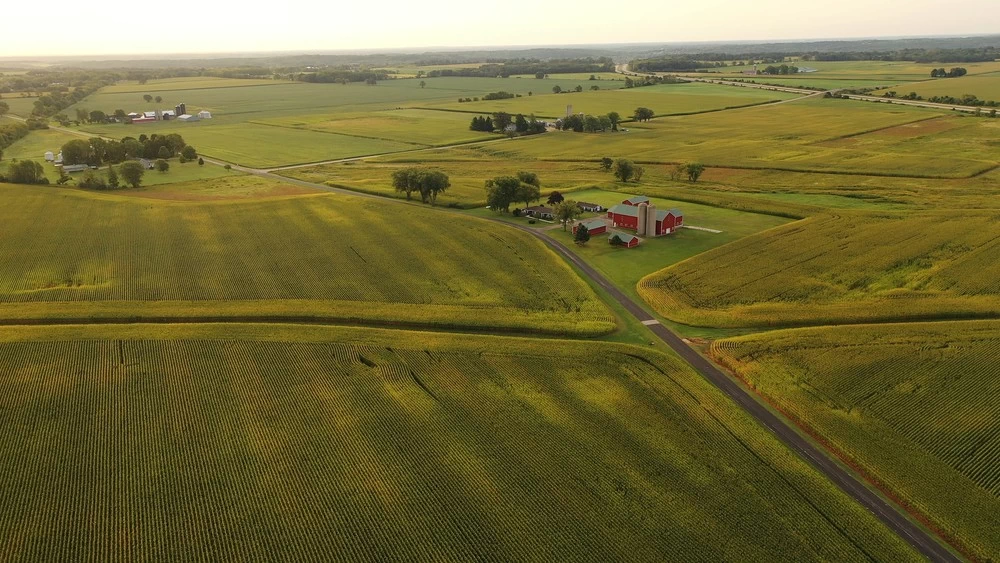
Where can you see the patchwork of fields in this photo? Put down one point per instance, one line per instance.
(322, 257)
(253, 442)
(914, 405)
(837, 269)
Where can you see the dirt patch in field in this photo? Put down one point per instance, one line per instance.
(919, 129)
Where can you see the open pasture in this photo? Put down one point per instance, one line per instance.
(916, 406)
(20, 106)
(319, 257)
(801, 135)
(416, 126)
(895, 71)
(246, 442)
(664, 99)
(838, 269)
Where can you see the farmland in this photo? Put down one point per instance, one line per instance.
(914, 405)
(665, 99)
(835, 269)
(412, 126)
(241, 442)
(306, 257)
(983, 86)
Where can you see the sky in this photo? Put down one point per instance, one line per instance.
(124, 27)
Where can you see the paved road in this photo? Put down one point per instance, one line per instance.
(888, 513)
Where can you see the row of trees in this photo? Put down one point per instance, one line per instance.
(501, 120)
(428, 183)
(781, 69)
(96, 151)
(503, 191)
(953, 73)
(626, 170)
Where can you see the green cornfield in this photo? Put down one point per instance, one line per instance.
(837, 269)
(72, 254)
(916, 406)
(257, 442)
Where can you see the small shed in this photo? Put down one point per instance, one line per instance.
(187, 117)
(74, 168)
(133, 115)
(594, 226)
(204, 114)
(627, 240)
(49, 157)
(146, 163)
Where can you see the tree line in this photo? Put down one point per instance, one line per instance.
(502, 191)
(427, 183)
(500, 122)
(512, 67)
(952, 73)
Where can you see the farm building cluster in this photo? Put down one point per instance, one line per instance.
(179, 113)
(637, 214)
(548, 213)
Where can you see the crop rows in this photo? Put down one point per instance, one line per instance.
(918, 406)
(72, 248)
(833, 269)
(243, 449)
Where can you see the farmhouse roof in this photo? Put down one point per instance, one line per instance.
(636, 200)
(539, 209)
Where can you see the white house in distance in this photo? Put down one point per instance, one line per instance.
(187, 117)
(205, 114)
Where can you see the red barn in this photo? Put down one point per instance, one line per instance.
(594, 226)
(627, 240)
(645, 219)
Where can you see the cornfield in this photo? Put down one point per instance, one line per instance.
(78, 254)
(231, 444)
(914, 405)
(836, 269)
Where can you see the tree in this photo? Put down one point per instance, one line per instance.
(556, 89)
(120, 114)
(582, 235)
(528, 193)
(539, 75)
(529, 178)
(554, 198)
(163, 152)
(4, 108)
(638, 172)
(677, 171)
(77, 151)
(92, 180)
(26, 172)
(189, 153)
(501, 120)
(521, 124)
(405, 181)
(614, 118)
(201, 161)
(148, 98)
(81, 115)
(578, 88)
(97, 116)
(132, 173)
(159, 99)
(694, 171)
(606, 163)
(432, 183)
(643, 114)
(501, 192)
(422, 84)
(162, 165)
(113, 181)
(623, 169)
(567, 211)
(605, 122)
(591, 124)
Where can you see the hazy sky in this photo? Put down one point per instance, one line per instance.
(62, 27)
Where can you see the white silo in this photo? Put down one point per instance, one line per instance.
(651, 220)
(640, 227)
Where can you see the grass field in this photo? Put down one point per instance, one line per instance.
(914, 405)
(416, 126)
(467, 176)
(836, 269)
(984, 87)
(808, 135)
(18, 105)
(666, 99)
(901, 71)
(186, 83)
(323, 257)
(239, 443)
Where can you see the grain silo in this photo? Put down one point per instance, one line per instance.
(640, 227)
(650, 220)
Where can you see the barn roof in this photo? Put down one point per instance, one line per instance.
(637, 199)
(625, 237)
(623, 209)
(592, 224)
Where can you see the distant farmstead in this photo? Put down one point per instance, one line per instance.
(590, 207)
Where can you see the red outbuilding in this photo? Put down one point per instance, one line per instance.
(645, 219)
(623, 239)
(594, 226)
